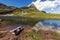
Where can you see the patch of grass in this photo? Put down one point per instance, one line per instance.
(34, 36)
(55, 34)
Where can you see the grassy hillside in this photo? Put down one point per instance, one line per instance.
(32, 12)
(5, 8)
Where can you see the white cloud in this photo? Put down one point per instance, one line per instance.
(46, 4)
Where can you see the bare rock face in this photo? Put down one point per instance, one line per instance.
(31, 5)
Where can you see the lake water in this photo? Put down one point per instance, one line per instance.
(55, 23)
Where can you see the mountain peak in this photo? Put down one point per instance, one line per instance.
(31, 5)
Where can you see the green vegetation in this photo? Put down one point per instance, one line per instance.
(34, 36)
(35, 14)
(55, 34)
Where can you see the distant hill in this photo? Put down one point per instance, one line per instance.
(4, 8)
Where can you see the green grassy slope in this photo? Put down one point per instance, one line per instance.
(5, 8)
(34, 13)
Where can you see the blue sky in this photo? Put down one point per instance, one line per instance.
(21, 3)
(17, 3)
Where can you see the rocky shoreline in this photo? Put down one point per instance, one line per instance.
(32, 33)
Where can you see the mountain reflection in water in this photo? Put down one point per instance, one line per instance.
(49, 23)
